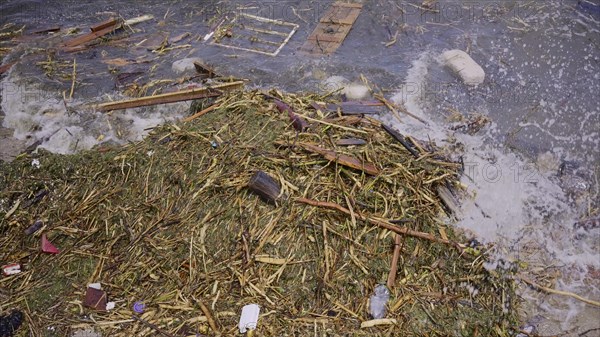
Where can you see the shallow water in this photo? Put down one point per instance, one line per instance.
(542, 78)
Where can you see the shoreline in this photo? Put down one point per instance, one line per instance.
(11, 147)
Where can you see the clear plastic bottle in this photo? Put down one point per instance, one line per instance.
(379, 301)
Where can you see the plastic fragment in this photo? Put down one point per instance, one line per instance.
(48, 247)
(378, 301)
(11, 269)
(139, 307)
(249, 317)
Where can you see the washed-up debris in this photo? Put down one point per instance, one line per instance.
(95, 299)
(6, 67)
(254, 34)
(464, 66)
(36, 198)
(52, 29)
(378, 322)
(332, 29)
(181, 229)
(356, 92)
(378, 301)
(11, 269)
(205, 70)
(105, 24)
(9, 324)
(139, 19)
(350, 142)
(352, 108)
(101, 30)
(249, 318)
(342, 159)
(139, 307)
(400, 138)
(34, 228)
(266, 187)
(48, 247)
(172, 97)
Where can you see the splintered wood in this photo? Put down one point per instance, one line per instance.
(332, 29)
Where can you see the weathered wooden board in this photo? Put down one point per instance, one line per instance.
(352, 107)
(332, 29)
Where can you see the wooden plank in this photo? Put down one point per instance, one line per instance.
(341, 16)
(104, 24)
(90, 37)
(334, 35)
(171, 97)
(333, 28)
(352, 107)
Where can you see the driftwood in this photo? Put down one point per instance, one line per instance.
(350, 142)
(352, 107)
(171, 97)
(104, 24)
(449, 200)
(201, 113)
(381, 223)
(266, 187)
(394, 266)
(46, 30)
(205, 70)
(73, 44)
(399, 137)
(342, 159)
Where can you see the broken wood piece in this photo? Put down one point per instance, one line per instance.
(95, 299)
(352, 107)
(350, 142)
(6, 67)
(171, 97)
(381, 223)
(394, 266)
(450, 201)
(72, 44)
(180, 37)
(201, 113)
(265, 186)
(52, 29)
(105, 24)
(139, 19)
(204, 70)
(332, 29)
(342, 159)
(209, 316)
(399, 137)
(378, 322)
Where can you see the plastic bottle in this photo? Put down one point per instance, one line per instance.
(379, 301)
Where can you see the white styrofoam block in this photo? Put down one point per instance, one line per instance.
(249, 317)
(355, 91)
(464, 66)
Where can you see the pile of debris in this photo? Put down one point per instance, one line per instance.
(304, 213)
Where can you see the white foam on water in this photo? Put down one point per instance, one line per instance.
(512, 204)
(40, 115)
